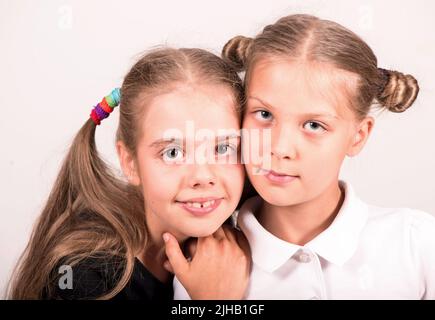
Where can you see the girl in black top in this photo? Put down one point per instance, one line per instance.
(102, 237)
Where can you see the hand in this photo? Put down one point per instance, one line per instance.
(219, 268)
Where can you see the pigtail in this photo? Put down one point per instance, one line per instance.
(89, 213)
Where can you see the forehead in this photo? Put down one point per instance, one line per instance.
(211, 108)
(302, 86)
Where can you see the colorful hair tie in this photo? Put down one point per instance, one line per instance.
(103, 109)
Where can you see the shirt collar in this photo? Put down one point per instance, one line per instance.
(336, 244)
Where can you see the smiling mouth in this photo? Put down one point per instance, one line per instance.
(200, 206)
(192, 204)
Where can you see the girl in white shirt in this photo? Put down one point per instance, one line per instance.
(311, 83)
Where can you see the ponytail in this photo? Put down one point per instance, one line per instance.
(88, 212)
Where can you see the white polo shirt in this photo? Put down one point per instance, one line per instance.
(366, 253)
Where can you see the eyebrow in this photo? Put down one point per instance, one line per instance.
(261, 101)
(166, 141)
(309, 115)
(315, 115)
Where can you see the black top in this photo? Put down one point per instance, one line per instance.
(92, 278)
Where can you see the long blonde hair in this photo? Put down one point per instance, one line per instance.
(90, 212)
(311, 39)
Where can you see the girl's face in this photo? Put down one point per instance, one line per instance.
(187, 160)
(311, 128)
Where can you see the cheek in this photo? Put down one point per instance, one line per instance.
(233, 177)
(325, 158)
(159, 181)
(256, 144)
(249, 123)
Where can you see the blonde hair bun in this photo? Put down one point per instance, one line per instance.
(236, 52)
(398, 91)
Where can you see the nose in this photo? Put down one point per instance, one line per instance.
(284, 143)
(202, 176)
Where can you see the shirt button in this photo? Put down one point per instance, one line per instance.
(304, 257)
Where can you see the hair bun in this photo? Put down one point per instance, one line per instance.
(236, 52)
(397, 90)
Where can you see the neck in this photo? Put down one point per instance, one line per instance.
(300, 223)
(153, 255)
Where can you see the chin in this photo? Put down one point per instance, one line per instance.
(280, 200)
(202, 232)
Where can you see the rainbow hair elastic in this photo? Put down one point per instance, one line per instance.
(104, 108)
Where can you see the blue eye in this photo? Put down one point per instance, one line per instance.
(263, 115)
(313, 126)
(172, 154)
(224, 148)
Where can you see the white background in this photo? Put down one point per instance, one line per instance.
(59, 58)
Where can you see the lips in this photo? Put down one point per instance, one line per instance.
(277, 177)
(200, 206)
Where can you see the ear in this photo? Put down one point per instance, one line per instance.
(361, 135)
(128, 164)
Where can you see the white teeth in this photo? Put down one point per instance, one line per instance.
(200, 204)
(208, 203)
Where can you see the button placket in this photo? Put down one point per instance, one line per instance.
(304, 256)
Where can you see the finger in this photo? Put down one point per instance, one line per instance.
(168, 267)
(175, 256)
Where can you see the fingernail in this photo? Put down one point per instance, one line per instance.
(165, 237)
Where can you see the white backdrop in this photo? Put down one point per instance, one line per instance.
(59, 58)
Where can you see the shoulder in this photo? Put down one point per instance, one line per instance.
(415, 224)
(90, 278)
(407, 216)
